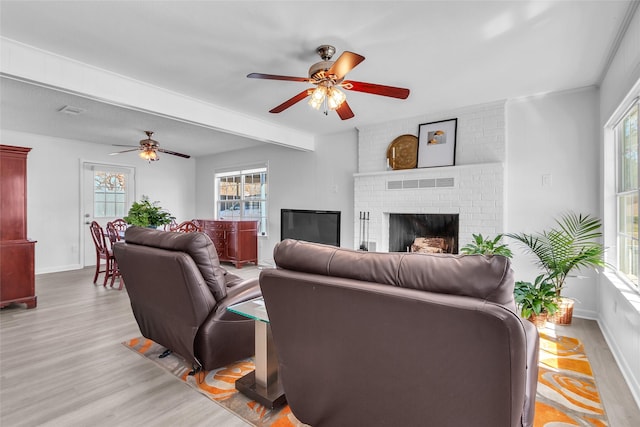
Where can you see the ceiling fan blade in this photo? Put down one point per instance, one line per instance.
(291, 101)
(345, 63)
(125, 151)
(173, 153)
(344, 111)
(276, 77)
(393, 92)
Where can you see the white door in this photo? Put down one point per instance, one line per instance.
(107, 194)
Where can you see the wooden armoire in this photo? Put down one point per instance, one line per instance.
(17, 269)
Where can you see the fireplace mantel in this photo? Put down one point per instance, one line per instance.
(474, 191)
(427, 171)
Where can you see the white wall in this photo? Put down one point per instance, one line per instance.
(322, 179)
(555, 137)
(53, 192)
(619, 314)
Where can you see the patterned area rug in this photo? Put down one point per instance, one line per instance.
(567, 393)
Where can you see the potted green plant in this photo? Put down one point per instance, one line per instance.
(486, 246)
(570, 246)
(536, 300)
(147, 214)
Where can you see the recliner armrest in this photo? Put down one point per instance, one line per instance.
(231, 280)
(243, 291)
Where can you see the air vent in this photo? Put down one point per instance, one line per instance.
(394, 185)
(444, 182)
(420, 183)
(71, 110)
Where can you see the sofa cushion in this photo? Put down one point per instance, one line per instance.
(199, 247)
(486, 277)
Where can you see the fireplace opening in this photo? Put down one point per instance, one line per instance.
(431, 233)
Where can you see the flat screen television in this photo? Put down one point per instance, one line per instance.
(310, 225)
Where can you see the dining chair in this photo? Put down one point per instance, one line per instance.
(187, 227)
(112, 232)
(103, 252)
(171, 226)
(120, 224)
(114, 235)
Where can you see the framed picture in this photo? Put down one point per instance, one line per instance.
(437, 143)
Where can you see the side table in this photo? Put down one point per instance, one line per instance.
(261, 385)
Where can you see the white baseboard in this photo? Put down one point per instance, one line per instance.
(631, 380)
(59, 268)
(585, 314)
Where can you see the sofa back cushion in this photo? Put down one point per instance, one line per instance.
(197, 245)
(486, 277)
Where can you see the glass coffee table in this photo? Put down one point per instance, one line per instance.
(261, 385)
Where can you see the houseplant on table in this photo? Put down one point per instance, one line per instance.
(536, 300)
(147, 214)
(570, 246)
(486, 246)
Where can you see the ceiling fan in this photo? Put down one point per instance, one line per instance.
(149, 149)
(328, 76)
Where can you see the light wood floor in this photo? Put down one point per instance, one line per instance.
(63, 364)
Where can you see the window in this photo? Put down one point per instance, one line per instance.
(627, 190)
(242, 194)
(110, 194)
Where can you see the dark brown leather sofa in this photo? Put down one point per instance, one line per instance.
(399, 339)
(179, 295)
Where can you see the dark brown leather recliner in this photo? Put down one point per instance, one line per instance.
(179, 295)
(399, 339)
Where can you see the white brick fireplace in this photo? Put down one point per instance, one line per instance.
(473, 189)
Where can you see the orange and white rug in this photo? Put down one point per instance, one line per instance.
(567, 393)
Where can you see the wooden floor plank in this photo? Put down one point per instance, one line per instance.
(62, 364)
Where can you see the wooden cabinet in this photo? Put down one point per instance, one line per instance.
(235, 241)
(17, 278)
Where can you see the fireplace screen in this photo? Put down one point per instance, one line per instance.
(430, 233)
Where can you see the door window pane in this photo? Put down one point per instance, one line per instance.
(109, 194)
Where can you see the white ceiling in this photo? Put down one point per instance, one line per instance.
(450, 54)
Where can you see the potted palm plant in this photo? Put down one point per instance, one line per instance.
(536, 300)
(147, 214)
(570, 246)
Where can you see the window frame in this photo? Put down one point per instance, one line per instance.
(244, 200)
(621, 192)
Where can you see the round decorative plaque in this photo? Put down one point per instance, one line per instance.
(402, 153)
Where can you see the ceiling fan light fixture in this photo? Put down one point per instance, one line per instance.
(317, 97)
(327, 75)
(335, 98)
(148, 149)
(149, 155)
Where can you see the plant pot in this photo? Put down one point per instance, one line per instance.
(565, 312)
(538, 319)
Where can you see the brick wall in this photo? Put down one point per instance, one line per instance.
(474, 188)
